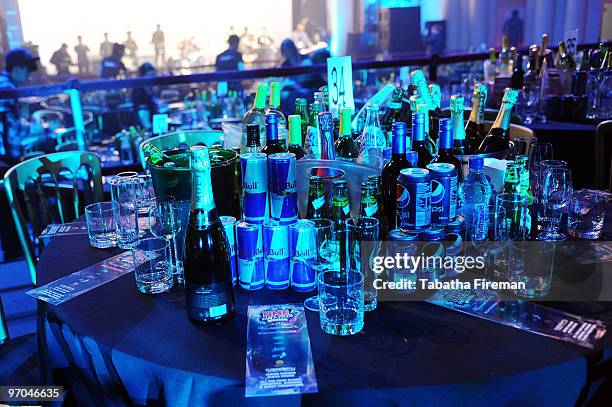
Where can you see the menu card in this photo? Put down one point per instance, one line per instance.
(64, 229)
(75, 284)
(279, 358)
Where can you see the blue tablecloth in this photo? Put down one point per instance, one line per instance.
(115, 346)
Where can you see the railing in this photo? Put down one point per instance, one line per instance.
(431, 61)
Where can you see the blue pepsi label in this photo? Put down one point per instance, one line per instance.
(443, 200)
(414, 205)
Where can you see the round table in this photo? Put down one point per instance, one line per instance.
(116, 346)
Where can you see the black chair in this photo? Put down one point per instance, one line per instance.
(603, 155)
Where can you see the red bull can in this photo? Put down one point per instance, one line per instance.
(282, 185)
(303, 253)
(228, 225)
(414, 199)
(254, 170)
(251, 275)
(276, 255)
(444, 184)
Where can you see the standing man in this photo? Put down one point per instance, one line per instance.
(20, 63)
(514, 29)
(106, 47)
(231, 60)
(131, 47)
(61, 60)
(82, 58)
(159, 44)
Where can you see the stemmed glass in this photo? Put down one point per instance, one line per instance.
(555, 195)
(164, 223)
(328, 251)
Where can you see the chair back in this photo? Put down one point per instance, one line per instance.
(603, 154)
(182, 139)
(126, 115)
(65, 137)
(52, 119)
(53, 188)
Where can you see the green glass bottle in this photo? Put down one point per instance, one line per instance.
(346, 147)
(317, 208)
(295, 137)
(256, 115)
(377, 181)
(523, 162)
(369, 204)
(511, 178)
(429, 143)
(155, 156)
(340, 209)
(301, 109)
(208, 280)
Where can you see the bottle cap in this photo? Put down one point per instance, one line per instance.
(295, 129)
(399, 127)
(477, 163)
(345, 121)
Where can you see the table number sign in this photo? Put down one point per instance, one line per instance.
(64, 229)
(523, 315)
(340, 83)
(75, 284)
(279, 358)
(571, 41)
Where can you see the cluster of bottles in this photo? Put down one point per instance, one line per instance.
(127, 142)
(554, 86)
(207, 104)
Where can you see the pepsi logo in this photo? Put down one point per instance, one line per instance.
(402, 196)
(437, 191)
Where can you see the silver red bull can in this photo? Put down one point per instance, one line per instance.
(282, 185)
(276, 255)
(251, 275)
(228, 225)
(254, 170)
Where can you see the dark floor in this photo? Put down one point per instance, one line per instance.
(20, 309)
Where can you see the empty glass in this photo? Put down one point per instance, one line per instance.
(587, 211)
(101, 225)
(164, 223)
(555, 196)
(522, 145)
(531, 263)
(539, 152)
(155, 275)
(341, 302)
(362, 245)
(144, 193)
(517, 220)
(327, 254)
(123, 192)
(490, 239)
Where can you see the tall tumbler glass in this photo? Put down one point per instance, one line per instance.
(327, 254)
(123, 192)
(517, 222)
(362, 246)
(531, 265)
(164, 223)
(490, 240)
(341, 302)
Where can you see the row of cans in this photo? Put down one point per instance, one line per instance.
(272, 255)
(427, 196)
(269, 190)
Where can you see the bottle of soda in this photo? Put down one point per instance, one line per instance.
(301, 109)
(372, 137)
(317, 208)
(391, 171)
(295, 136)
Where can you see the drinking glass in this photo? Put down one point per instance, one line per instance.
(341, 302)
(555, 195)
(530, 100)
(531, 263)
(183, 208)
(362, 245)
(587, 211)
(516, 215)
(164, 223)
(123, 192)
(539, 152)
(489, 238)
(155, 275)
(522, 145)
(144, 194)
(303, 255)
(101, 225)
(327, 254)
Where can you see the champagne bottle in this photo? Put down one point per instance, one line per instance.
(346, 147)
(274, 107)
(157, 157)
(301, 109)
(208, 279)
(295, 136)
(393, 113)
(420, 83)
(253, 145)
(498, 137)
(518, 76)
(457, 108)
(418, 140)
(273, 144)
(566, 62)
(474, 128)
(545, 55)
(317, 208)
(257, 114)
(445, 152)
(391, 171)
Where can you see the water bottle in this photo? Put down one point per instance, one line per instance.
(474, 194)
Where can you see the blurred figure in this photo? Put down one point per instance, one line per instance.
(291, 55)
(61, 60)
(106, 47)
(112, 66)
(159, 44)
(19, 63)
(294, 87)
(300, 36)
(131, 47)
(514, 28)
(40, 71)
(265, 40)
(82, 58)
(435, 39)
(231, 58)
(187, 48)
(144, 99)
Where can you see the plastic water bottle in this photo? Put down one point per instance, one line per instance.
(475, 193)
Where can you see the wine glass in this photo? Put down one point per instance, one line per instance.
(555, 195)
(164, 222)
(327, 254)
